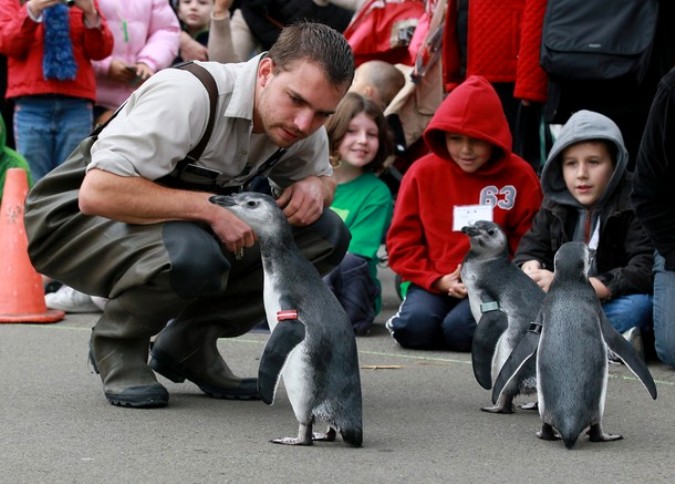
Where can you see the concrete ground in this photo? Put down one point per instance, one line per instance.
(422, 423)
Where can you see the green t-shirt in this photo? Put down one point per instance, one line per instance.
(365, 205)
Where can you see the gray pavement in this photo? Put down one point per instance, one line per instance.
(422, 423)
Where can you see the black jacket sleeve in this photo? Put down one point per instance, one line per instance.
(537, 242)
(654, 179)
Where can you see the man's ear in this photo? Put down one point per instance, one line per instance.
(265, 68)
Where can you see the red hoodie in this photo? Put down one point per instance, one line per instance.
(421, 243)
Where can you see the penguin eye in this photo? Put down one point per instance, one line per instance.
(491, 232)
(251, 204)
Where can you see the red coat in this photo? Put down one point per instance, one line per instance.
(21, 41)
(503, 42)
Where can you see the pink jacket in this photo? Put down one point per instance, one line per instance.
(145, 31)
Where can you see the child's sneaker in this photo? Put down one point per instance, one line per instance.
(71, 301)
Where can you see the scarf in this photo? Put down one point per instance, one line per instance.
(58, 61)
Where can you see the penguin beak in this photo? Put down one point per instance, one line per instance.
(222, 200)
(470, 230)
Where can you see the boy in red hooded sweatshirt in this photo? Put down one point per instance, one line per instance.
(471, 173)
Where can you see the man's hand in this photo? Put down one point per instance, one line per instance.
(233, 232)
(303, 202)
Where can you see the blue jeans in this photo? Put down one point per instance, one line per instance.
(428, 321)
(629, 311)
(48, 128)
(664, 311)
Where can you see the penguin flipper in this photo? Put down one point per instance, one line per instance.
(286, 336)
(521, 354)
(625, 351)
(491, 326)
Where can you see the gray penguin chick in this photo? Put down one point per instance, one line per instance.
(312, 343)
(504, 301)
(570, 340)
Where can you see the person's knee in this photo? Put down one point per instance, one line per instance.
(633, 310)
(665, 352)
(459, 327)
(197, 263)
(665, 347)
(416, 331)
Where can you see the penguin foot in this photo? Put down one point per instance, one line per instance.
(547, 433)
(304, 436)
(328, 436)
(291, 441)
(595, 434)
(499, 409)
(530, 406)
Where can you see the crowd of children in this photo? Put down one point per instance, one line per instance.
(478, 160)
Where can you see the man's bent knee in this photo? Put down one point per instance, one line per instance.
(198, 265)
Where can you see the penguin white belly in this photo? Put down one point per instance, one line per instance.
(295, 373)
(270, 300)
(502, 352)
(473, 291)
(297, 376)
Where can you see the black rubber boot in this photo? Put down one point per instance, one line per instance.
(127, 379)
(187, 348)
(119, 349)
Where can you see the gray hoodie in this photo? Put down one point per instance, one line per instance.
(583, 126)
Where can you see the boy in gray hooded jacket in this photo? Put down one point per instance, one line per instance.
(587, 198)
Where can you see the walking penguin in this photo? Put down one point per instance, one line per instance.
(504, 301)
(573, 333)
(312, 344)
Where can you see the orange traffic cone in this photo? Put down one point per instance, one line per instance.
(22, 298)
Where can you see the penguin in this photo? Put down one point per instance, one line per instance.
(504, 301)
(312, 343)
(569, 339)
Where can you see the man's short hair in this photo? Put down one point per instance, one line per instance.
(318, 43)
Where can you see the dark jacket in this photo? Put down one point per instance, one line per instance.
(624, 254)
(655, 172)
(265, 19)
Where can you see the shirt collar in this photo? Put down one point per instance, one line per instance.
(243, 91)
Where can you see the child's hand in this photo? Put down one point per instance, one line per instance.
(221, 7)
(191, 50)
(451, 284)
(143, 72)
(601, 290)
(530, 266)
(121, 72)
(542, 277)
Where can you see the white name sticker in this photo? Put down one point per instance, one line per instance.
(469, 214)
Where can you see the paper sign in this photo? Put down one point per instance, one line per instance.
(469, 214)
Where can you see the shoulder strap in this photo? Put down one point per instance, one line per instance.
(210, 84)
